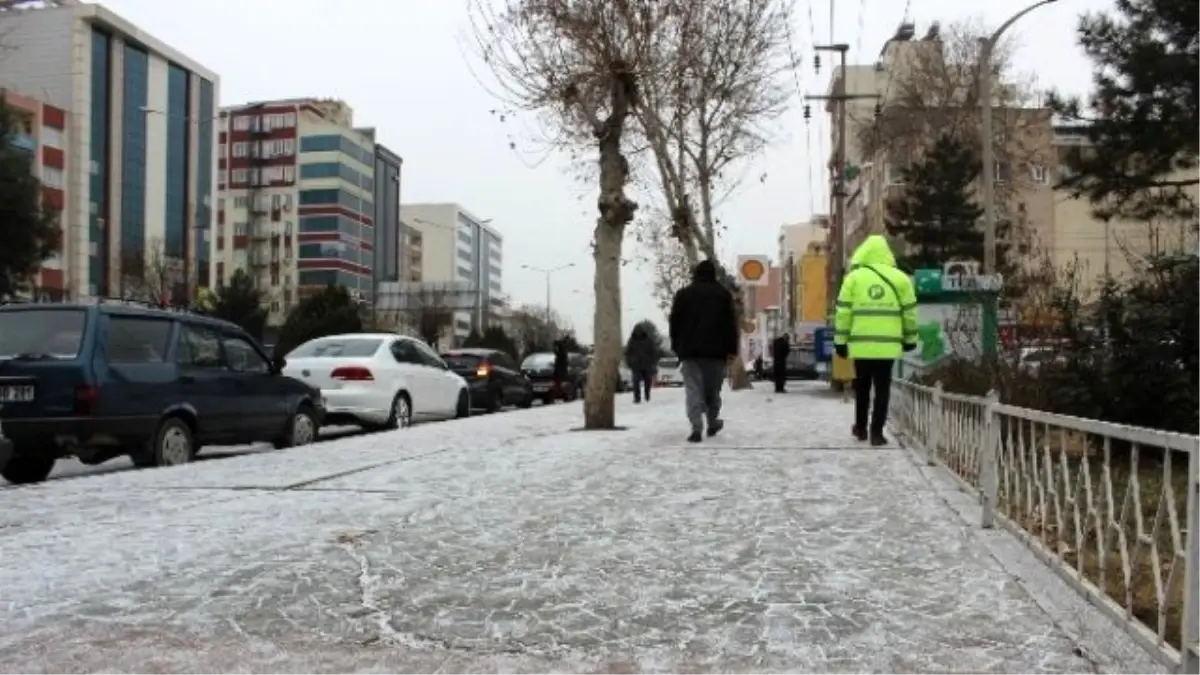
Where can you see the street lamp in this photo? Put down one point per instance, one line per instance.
(986, 47)
(547, 271)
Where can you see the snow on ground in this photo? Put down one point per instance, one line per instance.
(509, 543)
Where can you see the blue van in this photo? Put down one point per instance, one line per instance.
(99, 381)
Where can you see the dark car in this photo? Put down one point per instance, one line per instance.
(539, 369)
(492, 378)
(99, 381)
(801, 364)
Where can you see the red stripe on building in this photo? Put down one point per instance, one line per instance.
(53, 198)
(333, 210)
(365, 246)
(319, 236)
(53, 279)
(53, 158)
(55, 118)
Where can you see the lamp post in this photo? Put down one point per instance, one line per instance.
(547, 271)
(986, 47)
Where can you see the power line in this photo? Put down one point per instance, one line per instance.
(795, 59)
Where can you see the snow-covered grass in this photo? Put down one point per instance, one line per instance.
(509, 543)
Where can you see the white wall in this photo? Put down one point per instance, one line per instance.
(437, 224)
(156, 152)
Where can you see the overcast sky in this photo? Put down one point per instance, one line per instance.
(400, 64)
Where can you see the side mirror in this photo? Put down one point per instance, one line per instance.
(278, 363)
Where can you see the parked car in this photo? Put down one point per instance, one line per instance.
(379, 380)
(801, 364)
(539, 369)
(115, 378)
(493, 378)
(669, 374)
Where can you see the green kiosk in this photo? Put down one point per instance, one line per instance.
(957, 315)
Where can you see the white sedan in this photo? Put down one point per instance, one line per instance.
(378, 380)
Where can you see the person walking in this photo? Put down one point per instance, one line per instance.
(704, 335)
(641, 356)
(561, 369)
(875, 321)
(779, 351)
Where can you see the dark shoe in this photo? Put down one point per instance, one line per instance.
(637, 400)
(878, 439)
(695, 437)
(715, 427)
(859, 432)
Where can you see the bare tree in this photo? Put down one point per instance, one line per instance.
(534, 328)
(932, 90)
(579, 66)
(431, 312)
(669, 262)
(150, 274)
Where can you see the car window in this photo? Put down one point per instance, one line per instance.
(461, 361)
(503, 360)
(199, 347)
(540, 360)
(242, 357)
(336, 347)
(405, 352)
(137, 339)
(57, 333)
(428, 356)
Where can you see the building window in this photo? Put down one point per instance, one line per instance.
(241, 149)
(242, 123)
(239, 175)
(289, 174)
(1002, 173)
(464, 255)
(324, 143)
(465, 273)
(1039, 174)
(308, 197)
(464, 236)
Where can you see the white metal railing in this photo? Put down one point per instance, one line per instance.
(1111, 508)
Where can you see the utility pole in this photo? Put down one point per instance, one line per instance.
(839, 261)
(547, 271)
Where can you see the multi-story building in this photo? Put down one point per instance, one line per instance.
(297, 200)
(458, 246)
(44, 136)
(794, 239)
(411, 250)
(138, 166)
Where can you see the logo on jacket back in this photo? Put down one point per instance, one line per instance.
(875, 292)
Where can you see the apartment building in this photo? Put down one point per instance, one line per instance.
(297, 200)
(411, 250)
(794, 240)
(43, 134)
(137, 155)
(460, 247)
(1030, 159)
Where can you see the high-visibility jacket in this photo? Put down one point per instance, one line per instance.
(876, 312)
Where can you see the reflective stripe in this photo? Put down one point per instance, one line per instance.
(841, 333)
(905, 308)
(875, 312)
(882, 339)
(844, 304)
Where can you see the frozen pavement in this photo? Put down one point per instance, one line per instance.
(508, 543)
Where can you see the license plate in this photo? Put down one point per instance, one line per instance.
(541, 387)
(20, 393)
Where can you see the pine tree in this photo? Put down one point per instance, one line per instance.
(28, 229)
(330, 312)
(241, 303)
(1141, 119)
(937, 218)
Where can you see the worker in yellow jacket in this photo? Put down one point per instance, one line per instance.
(875, 321)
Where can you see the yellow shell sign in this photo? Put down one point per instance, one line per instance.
(752, 270)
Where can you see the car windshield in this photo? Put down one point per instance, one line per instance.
(461, 361)
(41, 333)
(538, 361)
(331, 348)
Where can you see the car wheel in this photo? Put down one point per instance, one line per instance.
(401, 415)
(24, 470)
(302, 429)
(495, 399)
(526, 402)
(463, 407)
(172, 444)
(547, 400)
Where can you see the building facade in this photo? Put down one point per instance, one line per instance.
(297, 200)
(138, 166)
(460, 247)
(389, 239)
(44, 136)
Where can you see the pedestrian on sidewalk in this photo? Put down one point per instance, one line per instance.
(561, 368)
(874, 323)
(779, 351)
(704, 335)
(641, 356)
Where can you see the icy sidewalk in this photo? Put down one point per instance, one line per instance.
(509, 543)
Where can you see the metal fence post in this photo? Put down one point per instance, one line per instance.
(989, 460)
(1189, 657)
(936, 422)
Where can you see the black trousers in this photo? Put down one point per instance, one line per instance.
(780, 376)
(642, 380)
(868, 374)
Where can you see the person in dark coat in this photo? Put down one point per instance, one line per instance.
(561, 367)
(780, 350)
(641, 355)
(704, 335)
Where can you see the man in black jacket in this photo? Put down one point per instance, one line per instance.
(704, 335)
(641, 355)
(779, 352)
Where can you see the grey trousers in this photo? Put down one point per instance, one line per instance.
(702, 380)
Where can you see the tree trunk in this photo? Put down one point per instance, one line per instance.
(598, 410)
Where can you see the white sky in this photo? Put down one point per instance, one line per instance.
(400, 65)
